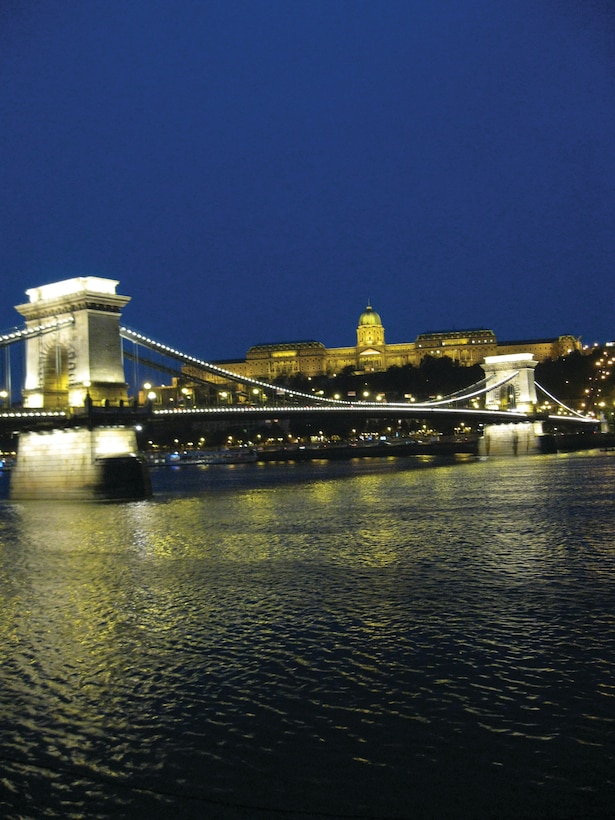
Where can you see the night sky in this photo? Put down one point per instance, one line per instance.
(256, 171)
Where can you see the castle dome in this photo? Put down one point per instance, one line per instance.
(369, 317)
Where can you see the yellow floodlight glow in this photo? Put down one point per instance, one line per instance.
(80, 284)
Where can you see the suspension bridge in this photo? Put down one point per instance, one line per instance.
(82, 382)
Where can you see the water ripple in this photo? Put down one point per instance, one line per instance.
(323, 640)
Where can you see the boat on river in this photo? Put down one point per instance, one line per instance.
(225, 455)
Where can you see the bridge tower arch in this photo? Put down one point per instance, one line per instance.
(81, 357)
(512, 377)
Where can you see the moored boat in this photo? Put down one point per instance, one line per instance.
(226, 455)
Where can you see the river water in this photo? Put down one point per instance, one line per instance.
(407, 638)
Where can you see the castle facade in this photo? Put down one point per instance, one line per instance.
(371, 353)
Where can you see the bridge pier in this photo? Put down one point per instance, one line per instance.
(79, 464)
(515, 439)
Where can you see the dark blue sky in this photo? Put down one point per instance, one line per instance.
(257, 170)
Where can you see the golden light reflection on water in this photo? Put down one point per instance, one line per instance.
(308, 631)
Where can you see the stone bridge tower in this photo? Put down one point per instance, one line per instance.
(83, 356)
(76, 366)
(518, 395)
(519, 392)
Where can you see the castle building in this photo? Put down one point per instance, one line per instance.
(371, 353)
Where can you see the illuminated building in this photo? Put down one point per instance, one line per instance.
(371, 353)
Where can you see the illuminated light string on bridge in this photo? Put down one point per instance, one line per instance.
(437, 404)
(487, 388)
(362, 407)
(132, 335)
(561, 403)
(24, 333)
(34, 414)
(461, 396)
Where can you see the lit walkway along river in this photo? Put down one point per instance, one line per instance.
(372, 638)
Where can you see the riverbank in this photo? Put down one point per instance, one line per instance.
(442, 446)
(370, 450)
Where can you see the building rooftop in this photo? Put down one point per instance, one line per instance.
(453, 334)
(549, 341)
(288, 345)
